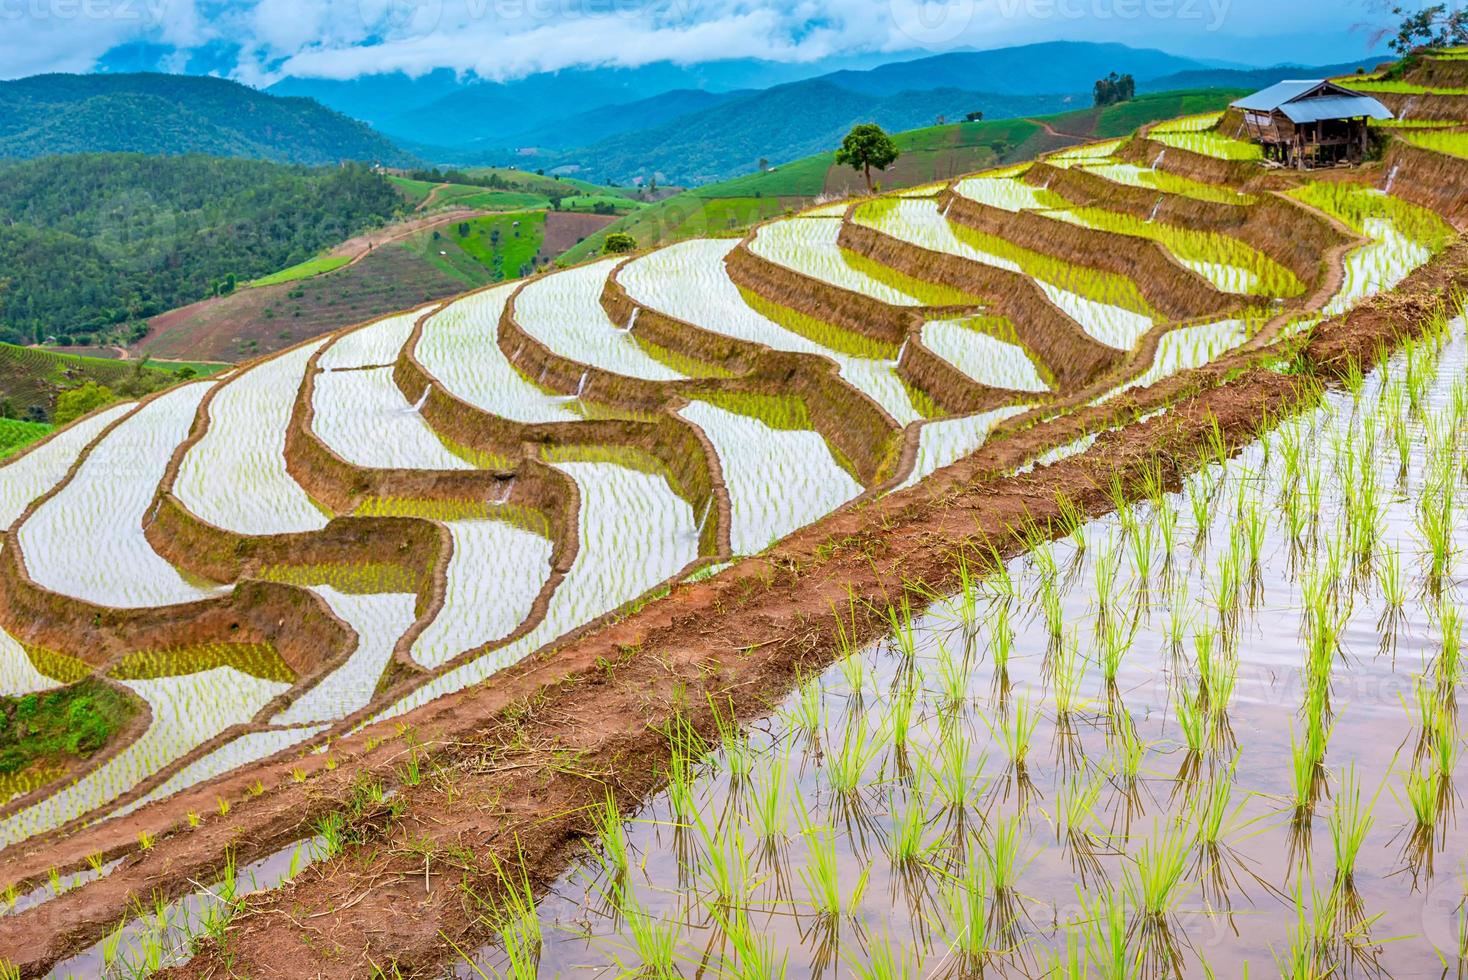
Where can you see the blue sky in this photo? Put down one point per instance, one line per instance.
(259, 41)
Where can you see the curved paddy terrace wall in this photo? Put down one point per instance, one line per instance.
(1173, 289)
(597, 476)
(1297, 238)
(899, 326)
(1434, 72)
(680, 449)
(844, 308)
(1071, 355)
(1424, 105)
(1146, 152)
(1432, 180)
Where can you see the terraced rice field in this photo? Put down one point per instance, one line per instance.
(304, 562)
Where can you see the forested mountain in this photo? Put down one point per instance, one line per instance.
(91, 244)
(781, 124)
(174, 114)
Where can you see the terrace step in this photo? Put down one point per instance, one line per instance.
(1173, 289)
(1057, 341)
(1296, 238)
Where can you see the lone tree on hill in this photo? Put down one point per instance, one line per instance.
(1431, 27)
(618, 242)
(865, 147)
(1115, 88)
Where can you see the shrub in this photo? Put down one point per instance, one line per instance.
(76, 402)
(618, 242)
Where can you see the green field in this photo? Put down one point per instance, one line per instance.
(930, 154)
(30, 378)
(304, 270)
(16, 435)
(527, 191)
(543, 184)
(1127, 117)
(483, 250)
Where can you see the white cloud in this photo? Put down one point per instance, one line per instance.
(504, 38)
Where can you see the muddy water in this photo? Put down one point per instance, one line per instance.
(1237, 904)
(164, 935)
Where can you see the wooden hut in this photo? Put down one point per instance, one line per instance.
(1306, 124)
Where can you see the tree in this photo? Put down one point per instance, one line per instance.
(618, 242)
(1115, 88)
(1432, 27)
(865, 147)
(76, 402)
(764, 164)
(974, 116)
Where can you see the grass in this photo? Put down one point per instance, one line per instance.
(1355, 204)
(30, 377)
(1271, 278)
(1453, 144)
(1392, 87)
(1212, 145)
(820, 332)
(256, 659)
(309, 269)
(482, 250)
(72, 723)
(16, 435)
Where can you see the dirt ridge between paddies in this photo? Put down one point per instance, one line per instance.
(513, 763)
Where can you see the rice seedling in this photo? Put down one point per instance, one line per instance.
(953, 681)
(1155, 882)
(767, 799)
(1308, 937)
(655, 942)
(1105, 920)
(966, 900)
(957, 774)
(822, 876)
(1307, 764)
(1116, 639)
(1350, 822)
(847, 763)
(1015, 731)
(611, 837)
(1068, 671)
(1002, 853)
(755, 954)
(1079, 799)
(909, 843)
(885, 961)
(1001, 641)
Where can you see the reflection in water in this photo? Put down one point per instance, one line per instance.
(1216, 727)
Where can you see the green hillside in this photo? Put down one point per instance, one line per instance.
(31, 378)
(15, 435)
(483, 250)
(506, 189)
(175, 114)
(929, 154)
(93, 244)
